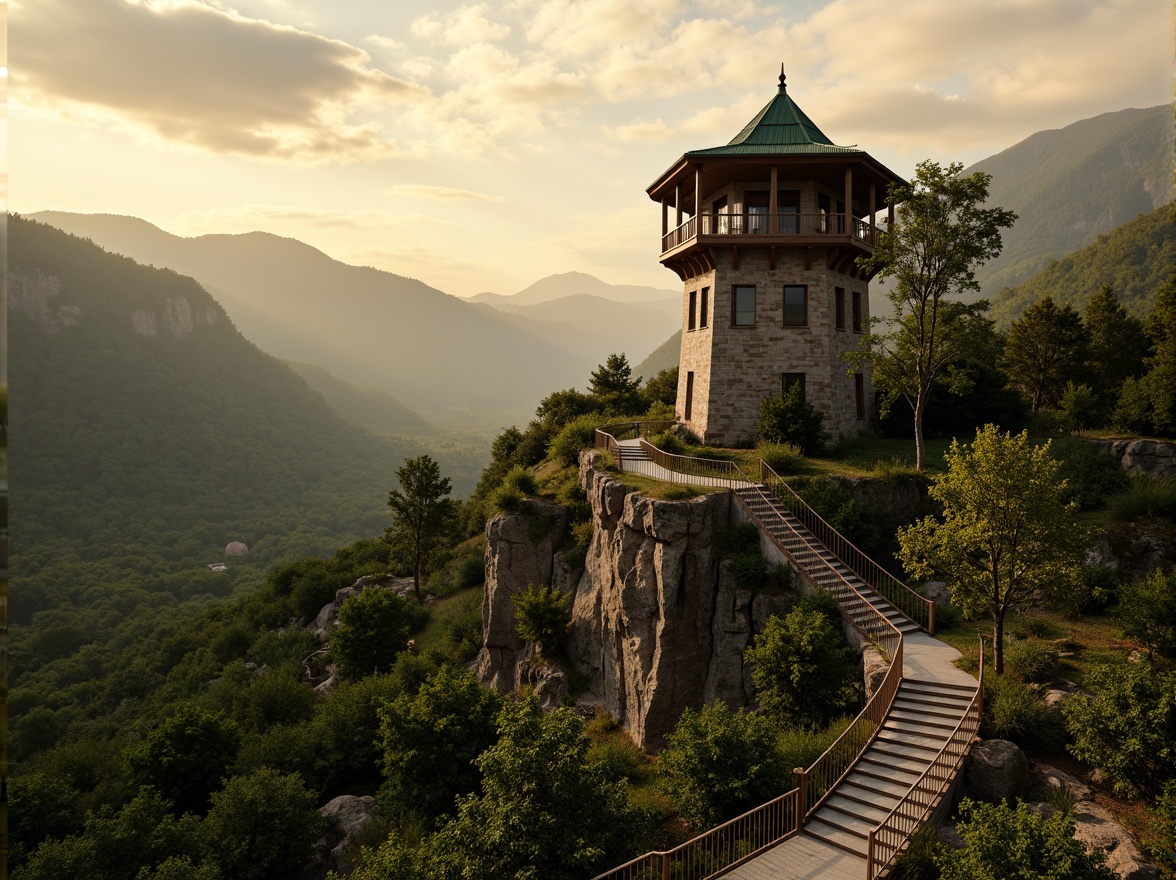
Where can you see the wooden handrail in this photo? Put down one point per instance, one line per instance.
(887, 840)
(917, 607)
(760, 223)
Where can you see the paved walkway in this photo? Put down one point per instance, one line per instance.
(647, 468)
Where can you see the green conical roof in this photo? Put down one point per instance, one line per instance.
(780, 128)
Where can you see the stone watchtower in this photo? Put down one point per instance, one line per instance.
(766, 233)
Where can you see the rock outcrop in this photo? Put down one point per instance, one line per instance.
(996, 770)
(329, 613)
(1095, 827)
(520, 551)
(1156, 457)
(347, 814)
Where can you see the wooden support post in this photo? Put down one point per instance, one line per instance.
(872, 210)
(678, 202)
(931, 619)
(665, 216)
(870, 855)
(697, 200)
(773, 205)
(800, 780)
(849, 200)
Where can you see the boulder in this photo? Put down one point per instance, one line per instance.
(1094, 826)
(347, 814)
(938, 592)
(236, 548)
(1050, 776)
(996, 770)
(874, 669)
(546, 678)
(520, 551)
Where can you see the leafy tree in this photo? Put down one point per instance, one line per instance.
(373, 629)
(1003, 843)
(790, 418)
(431, 738)
(1118, 343)
(545, 811)
(1046, 347)
(940, 236)
(1008, 538)
(612, 384)
(187, 757)
(1147, 612)
(422, 513)
(116, 845)
(1149, 403)
(543, 616)
(662, 388)
(1092, 475)
(804, 673)
(180, 868)
(718, 764)
(1128, 729)
(262, 826)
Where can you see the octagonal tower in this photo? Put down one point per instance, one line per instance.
(766, 233)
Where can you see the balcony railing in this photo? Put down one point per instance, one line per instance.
(754, 223)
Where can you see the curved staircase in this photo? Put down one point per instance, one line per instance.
(855, 808)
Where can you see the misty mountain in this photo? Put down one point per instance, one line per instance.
(367, 407)
(1071, 185)
(146, 431)
(578, 283)
(368, 327)
(1134, 259)
(665, 357)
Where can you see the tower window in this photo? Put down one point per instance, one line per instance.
(795, 305)
(690, 310)
(704, 308)
(689, 405)
(859, 394)
(839, 306)
(743, 305)
(857, 312)
(788, 380)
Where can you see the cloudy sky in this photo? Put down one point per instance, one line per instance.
(483, 146)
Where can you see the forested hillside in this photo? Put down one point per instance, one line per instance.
(1134, 260)
(147, 434)
(1070, 185)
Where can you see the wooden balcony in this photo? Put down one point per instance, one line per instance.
(757, 230)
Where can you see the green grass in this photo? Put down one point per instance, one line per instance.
(442, 613)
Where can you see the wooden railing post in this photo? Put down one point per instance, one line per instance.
(800, 780)
(931, 618)
(870, 855)
(665, 866)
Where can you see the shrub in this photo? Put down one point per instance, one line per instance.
(679, 493)
(521, 480)
(783, 458)
(578, 434)
(947, 617)
(1002, 842)
(506, 499)
(1097, 590)
(823, 602)
(918, 860)
(743, 538)
(1092, 476)
(1162, 844)
(718, 764)
(1079, 407)
(749, 570)
(668, 442)
(790, 418)
(1147, 612)
(1012, 711)
(804, 673)
(617, 758)
(543, 616)
(800, 747)
(897, 473)
(1148, 496)
(842, 511)
(1030, 660)
(1128, 729)
(373, 629)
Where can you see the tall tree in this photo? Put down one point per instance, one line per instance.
(1118, 343)
(1008, 538)
(612, 383)
(941, 235)
(1047, 347)
(421, 513)
(1149, 403)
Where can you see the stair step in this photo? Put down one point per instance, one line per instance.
(924, 744)
(899, 758)
(925, 710)
(924, 719)
(885, 770)
(889, 787)
(943, 685)
(862, 791)
(849, 806)
(835, 836)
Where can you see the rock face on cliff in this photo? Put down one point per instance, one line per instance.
(1156, 457)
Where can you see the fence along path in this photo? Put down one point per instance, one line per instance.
(852, 812)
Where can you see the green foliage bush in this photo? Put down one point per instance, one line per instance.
(261, 826)
(739, 539)
(578, 434)
(668, 442)
(543, 615)
(1002, 843)
(521, 480)
(918, 861)
(804, 673)
(840, 510)
(1147, 612)
(801, 746)
(790, 418)
(1014, 712)
(1148, 496)
(617, 758)
(1031, 661)
(506, 499)
(718, 764)
(897, 473)
(430, 740)
(1092, 476)
(1128, 729)
(784, 458)
(373, 628)
(1079, 407)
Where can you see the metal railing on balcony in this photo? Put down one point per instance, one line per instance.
(888, 839)
(917, 607)
(759, 223)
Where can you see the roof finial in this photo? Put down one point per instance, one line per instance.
(782, 78)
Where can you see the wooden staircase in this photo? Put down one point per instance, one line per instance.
(815, 560)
